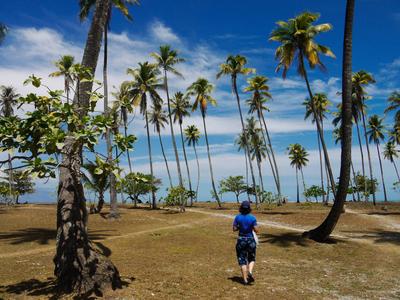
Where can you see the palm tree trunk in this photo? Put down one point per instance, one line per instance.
(187, 165)
(113, 182)
(247, 174)
(277, 178)
(234, 86)
(198, 170)
(128, 156)
(172, 130)
(261, 178)
(100, 203)
(362, 157)
(321, 167)
(369, 155)
(383, 178)
(319, 128)
(304, 184)
(11, 180)
(297, 185)
(397, 172)
(153, 194)
(209, 161)
(268, 152)
(165, 158)
(322, 232)
(355, 182)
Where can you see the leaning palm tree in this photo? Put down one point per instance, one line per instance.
(122, 5)
(158, 118)
(298, 159)
(257, 85)
(201, 90)
(321, 104)
(234, 66)
(96, 181)
(376, 134)
(360, 80)
(390, 153)
(257, 147)
(166, 60)
(145, 82)
(180, 109)
(8, 100)
(192, 134)
(3, 32)
(65, 67)
(394, 105)
(297, 38)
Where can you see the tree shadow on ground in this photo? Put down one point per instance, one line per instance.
(48, 288)
(42, 236)
(378, 236)
(289, 239)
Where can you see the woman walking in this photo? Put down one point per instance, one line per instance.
(246, 244)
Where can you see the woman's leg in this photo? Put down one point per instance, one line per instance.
(251, 267)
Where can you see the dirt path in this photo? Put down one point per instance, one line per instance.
(384, 220)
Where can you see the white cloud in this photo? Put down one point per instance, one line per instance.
(163, 33)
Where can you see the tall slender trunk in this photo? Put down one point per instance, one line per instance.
(268, 151)
(165, 158)
(397, 172)
(100, 203)
(113, 182)
(362, 157)
(321, 167)
(11, 180)
(198, 170)
(278, 180)
(261, 179)
(319, 127)
(234, 87)
(371, 177)
(178, 166)
(304, 184)
(153, 194)
(209, 161)
(247, 174)
(297, 185)
(322, 232)
(187, 165)
(355, 182)
(380, 165)
(128, 156)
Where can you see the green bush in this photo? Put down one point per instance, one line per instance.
(177, 196)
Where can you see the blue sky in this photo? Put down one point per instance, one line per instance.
(205, 32)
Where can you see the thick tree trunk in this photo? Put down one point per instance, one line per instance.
(322, 232)
(79, 267)
(171, 124)
(278, 180)
(235, 91)
(362, 157)
(237, 198)
(187, 165)
(165, 158)
(371, 176)
(198, 170)
(153, 194)
(383, 178)
(209, 161)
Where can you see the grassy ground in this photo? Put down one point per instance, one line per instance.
(163, 255)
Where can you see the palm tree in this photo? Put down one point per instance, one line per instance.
(180, 109)
(258, 86)
(234, 66)
(298, 159)
(376, 134)
(322, 232)
(123, 101)
(394, 104)
(192, 134)
(85, 8)
(97, 181)
(257, 147)
(65, 67)
(361, 79)
(201, 90)
(3, 32)
(8, 100)
(145, 82)
(390, 153)
(297, 43)
(241, 143)
(166, 60)
(79, 267)
(321, 104)
(158, 118)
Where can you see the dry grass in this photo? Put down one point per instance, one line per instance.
(163, 255)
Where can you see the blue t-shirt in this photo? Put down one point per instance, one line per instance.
(245, 223)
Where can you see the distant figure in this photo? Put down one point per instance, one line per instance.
(246, 244)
